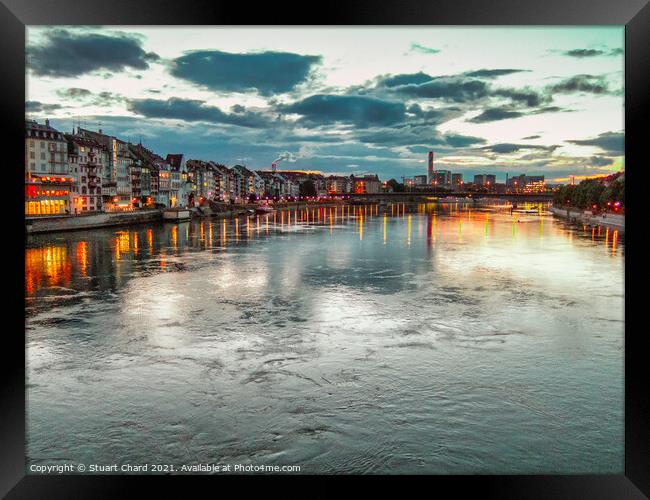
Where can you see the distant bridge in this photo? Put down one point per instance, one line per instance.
(424, 196)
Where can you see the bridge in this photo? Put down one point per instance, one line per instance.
(423, 197)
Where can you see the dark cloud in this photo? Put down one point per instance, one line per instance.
(39, 107)
(506, 112)
(77, 94)
(582, 53)
(581, 83)
(507, 148)
(531, 137)
(408, 135)
(493, 73)
(463, 141)
(416, 47)
(528, 97)
(495, 114)
(601, 161)
(362, 111)
(73, 92)
(454, 89)
(194, 111)
(66, 54)
(405, 79)
(265, 72)
(612, 143)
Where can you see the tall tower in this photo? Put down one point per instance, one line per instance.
(430, 168)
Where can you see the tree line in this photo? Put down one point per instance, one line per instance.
(591, 192)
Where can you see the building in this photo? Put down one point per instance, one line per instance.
(420, 180)
(225, 181)
(46, 150)
(485, 180)
(117, 185)
(160, 181)
(367, 184)
(442, 179)
(338, 184)
(457, 182)
(141, 175)
(201, 178)
(48, 183)
(247, 183)
(526, 184)
(430, 168)
(272, 183)
(87, 158)
(177, 180)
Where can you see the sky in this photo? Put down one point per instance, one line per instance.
(344, 100)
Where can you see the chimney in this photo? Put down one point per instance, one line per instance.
(430, 168)
(47, 122)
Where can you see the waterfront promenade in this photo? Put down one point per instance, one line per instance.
(613, 221)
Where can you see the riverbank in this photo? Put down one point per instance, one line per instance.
(38, 225)
(613, 221)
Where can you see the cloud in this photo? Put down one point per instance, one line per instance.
(362, 111)
(39, 107)
(194, 111)
(529, 97)
(582, 53)
(416, 47)
(65, 53)
(454, 89)
(73, 92)
(264, 72)
(531, 137)
(462, 141)
(581, 83)
(492, 73)
(507, 148)
(601, 161)
(612, 143)
(495, 114)
(404, 79)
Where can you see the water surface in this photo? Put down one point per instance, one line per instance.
(429, 339)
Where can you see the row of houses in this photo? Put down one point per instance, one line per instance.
(89, 171)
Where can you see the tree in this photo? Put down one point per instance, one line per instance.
(397, 187)
(307, 188)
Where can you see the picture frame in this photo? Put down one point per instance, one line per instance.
(634, 14)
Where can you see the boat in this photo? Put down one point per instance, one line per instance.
(264, 209)
(177, 214)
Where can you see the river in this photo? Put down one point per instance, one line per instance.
(435, 339)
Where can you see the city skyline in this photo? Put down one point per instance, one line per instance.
(544, 101)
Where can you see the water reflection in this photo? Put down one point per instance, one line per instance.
(81, 255)
(399, 338)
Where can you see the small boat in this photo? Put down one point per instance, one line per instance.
(264, 209)
(177, 214)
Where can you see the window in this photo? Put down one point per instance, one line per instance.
(42, 145)
(32, 155)
(31, 143)
(42, 156)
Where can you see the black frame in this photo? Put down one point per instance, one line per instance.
(634, 14)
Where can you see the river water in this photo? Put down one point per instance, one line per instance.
(426, 339)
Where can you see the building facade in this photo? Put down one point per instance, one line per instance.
(48, 183)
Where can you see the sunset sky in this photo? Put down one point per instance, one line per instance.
(538, 100)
